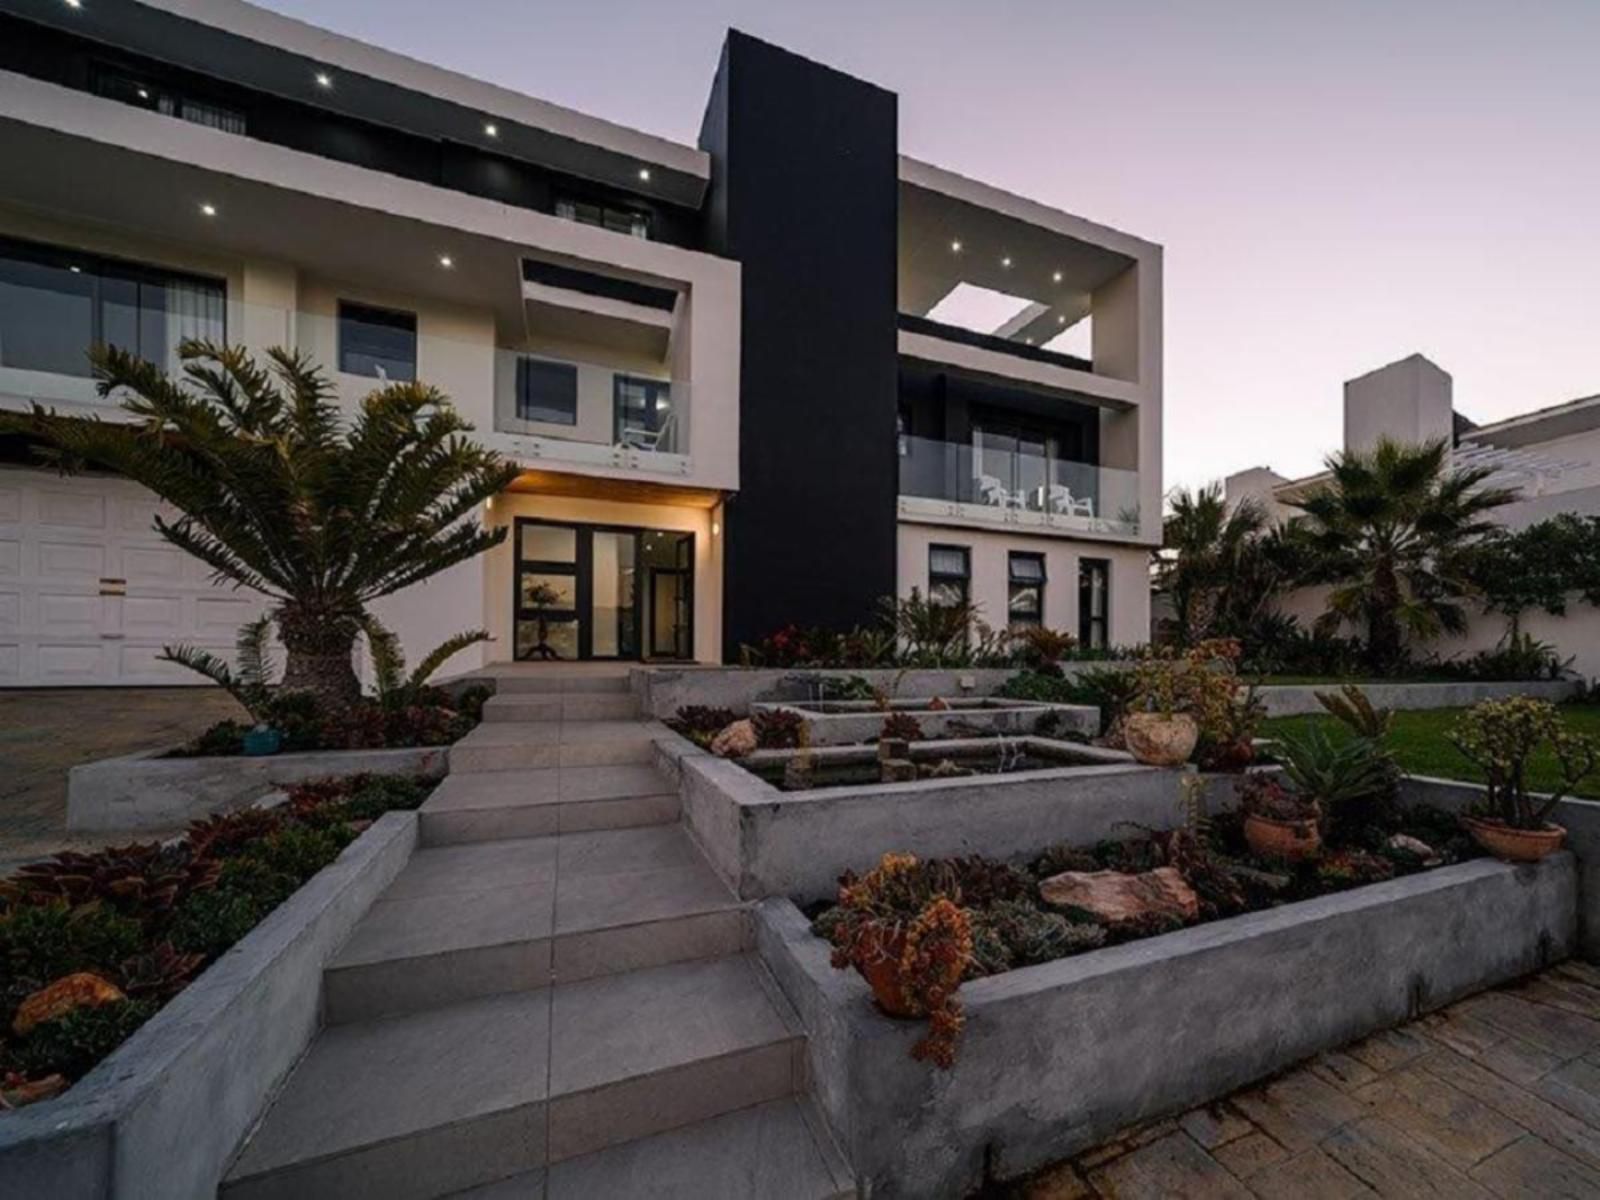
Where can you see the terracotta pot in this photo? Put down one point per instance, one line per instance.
(1288, 840)
(1159, 739)
(1515, 845)
(881, 969)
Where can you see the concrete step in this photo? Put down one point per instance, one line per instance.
(551, 682)
(486, 918)
(449, 1099)
(408, 1108)
(767, 1152)
(531, 745)
(581, 706)
(491, 805)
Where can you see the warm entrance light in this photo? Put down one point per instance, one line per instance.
(1056, 278)
(446, 261)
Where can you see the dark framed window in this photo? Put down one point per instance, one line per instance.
(380, 343)
(619, 220)
(643, 411)
(115, 84)
(949, 575)
(547, 391)
(1094, 603)
(56, 303)
(1025, 598)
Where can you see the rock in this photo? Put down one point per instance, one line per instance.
(893, 748)
(735, 741)
(897, 770)
(79, 990)
(938, 704)
(1416, 847)
(1114, 897)
(1267, 881)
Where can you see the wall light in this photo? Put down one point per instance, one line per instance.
(1062, 319)
(74, 3)
(446, 261)
(1056, 278)
(1006, 262)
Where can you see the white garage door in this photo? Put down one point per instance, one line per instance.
(89, 592)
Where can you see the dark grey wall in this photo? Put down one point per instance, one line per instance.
(805, 196)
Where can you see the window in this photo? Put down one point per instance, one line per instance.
(145, 93)
(377, 342)
(1026, 597)
(618, 220)
(949, 576)
(902, 430)
(643, 413)
(1094, 603)
(56, 303)
(547, 391)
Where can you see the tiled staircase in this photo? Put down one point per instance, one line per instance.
(555, 997)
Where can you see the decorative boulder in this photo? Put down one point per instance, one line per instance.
(80, 990)
(938, 704)
(1416, 847)
(1115, 898)
(735, 741)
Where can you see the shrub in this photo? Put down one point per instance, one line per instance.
(779, 729)
(1030, 935)
(900, 727)
(700, 724)
(74, 1042)
(1500, 736)
(41, 942)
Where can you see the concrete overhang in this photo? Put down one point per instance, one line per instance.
(605, 487)
(276, 54)
(580, 317)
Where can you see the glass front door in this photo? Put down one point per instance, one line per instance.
(590, 591)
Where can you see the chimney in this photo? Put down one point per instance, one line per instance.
(1407, 401)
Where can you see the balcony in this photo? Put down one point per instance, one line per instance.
(1014, 488)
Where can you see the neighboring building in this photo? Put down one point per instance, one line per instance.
(729, 370)
(1551, 456)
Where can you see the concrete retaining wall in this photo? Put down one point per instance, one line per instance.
(1058, 1057)
(1284, 700)
(162, 1116)
(767, 842)
(146, 792)
(663, 690)
(1580, 818)
(852, 728)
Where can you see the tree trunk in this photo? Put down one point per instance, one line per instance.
(1383, 628)
(319, 646)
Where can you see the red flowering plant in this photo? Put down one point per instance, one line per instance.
(902, 926)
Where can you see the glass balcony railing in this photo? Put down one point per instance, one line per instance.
(1017, 487)
(529, 405)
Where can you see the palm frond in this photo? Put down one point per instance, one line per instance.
(437, 657)
(388, 660)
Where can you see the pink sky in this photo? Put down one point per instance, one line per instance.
(1337, 185)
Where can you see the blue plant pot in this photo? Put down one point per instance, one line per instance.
(258, 742)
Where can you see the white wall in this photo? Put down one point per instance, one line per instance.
(990, 584)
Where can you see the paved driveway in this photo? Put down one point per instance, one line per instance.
(44, 731)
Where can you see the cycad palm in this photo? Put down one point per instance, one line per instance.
(1386, 531)
(280, 494)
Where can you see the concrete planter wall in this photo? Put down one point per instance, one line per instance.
(161, 1117)
(768, 842)
(1285, 700)
(663, 690)
(866, 723)
(144, 792)
(1058, 1057)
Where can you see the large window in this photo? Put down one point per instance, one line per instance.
(146, 93)
(379, 343)
(643, 413)
(1025, 602)
(547, 391)
(618, 220)
(949, 576)
(1094, 603)
(56, 303)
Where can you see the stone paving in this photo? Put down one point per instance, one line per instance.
(1495, 1096)
(45, 731)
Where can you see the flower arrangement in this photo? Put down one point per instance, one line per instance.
(904, 929)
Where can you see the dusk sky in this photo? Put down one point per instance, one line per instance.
(1336, 185)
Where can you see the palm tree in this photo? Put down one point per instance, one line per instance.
(279, 494)
(1213, 563)
(1387, 530)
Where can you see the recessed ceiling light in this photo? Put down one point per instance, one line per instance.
(209, 210)
(76, 270)
(644, 174)
(1005, 262)
(74, 3)
(492, 129)
(324, 80)
(144, 93)
(955, 247)
(1056, 278)
(446, 261)
(1062, 319)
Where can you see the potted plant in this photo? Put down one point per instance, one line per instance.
(911, 941)
(1279, 823)
(1500, 737)
(1176, 696)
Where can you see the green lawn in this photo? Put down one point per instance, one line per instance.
(1420, 747)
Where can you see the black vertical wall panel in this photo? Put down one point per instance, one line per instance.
(805, 196)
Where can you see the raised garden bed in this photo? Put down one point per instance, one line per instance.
(844, 722)
(1058, 1056)
(162, 1113)
(940, 759)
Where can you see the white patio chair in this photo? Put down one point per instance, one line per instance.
(994, 492)
(1063, 501)
(651, 440)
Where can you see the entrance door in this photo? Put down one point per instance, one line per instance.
(602, 591)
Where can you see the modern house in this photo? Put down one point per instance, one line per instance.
(769, 378)
(1550, 457)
